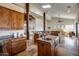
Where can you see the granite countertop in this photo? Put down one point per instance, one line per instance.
(3, 40)
(52, 39)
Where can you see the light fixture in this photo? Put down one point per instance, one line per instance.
(46, 6)
(68, 9)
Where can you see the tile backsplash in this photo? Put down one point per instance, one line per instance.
(10, 32)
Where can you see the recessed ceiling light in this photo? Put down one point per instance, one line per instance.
(46, 6)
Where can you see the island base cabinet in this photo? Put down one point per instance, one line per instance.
(44, 48)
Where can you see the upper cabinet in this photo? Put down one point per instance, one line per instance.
(10, 19)
(4, 18)
(16, 20)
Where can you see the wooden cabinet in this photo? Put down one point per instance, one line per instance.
(17, 20)
(20, 20)
(15, 46)
(45, 48)
(10, 19)
(4, 18)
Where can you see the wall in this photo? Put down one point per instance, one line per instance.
(39, 24)
(32, 24)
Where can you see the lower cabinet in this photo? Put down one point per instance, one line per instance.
(45, 48)
(15, 46)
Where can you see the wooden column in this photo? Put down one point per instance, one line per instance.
(44, 17)
(44, 22)
(27, 20)
(76, 29)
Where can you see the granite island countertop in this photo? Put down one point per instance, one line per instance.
(51, 39)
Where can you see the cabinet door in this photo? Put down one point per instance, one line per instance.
(47, 49)
(20, 20)
(13, 20)
(44, 48)
(4, 18)
(16, 20)
(40, 48)
(10, 19)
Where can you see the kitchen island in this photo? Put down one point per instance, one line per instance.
(46, 47)
(68, 46)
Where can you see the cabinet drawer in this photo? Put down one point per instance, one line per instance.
(18, 49)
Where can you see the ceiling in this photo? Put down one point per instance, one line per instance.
(59, 9)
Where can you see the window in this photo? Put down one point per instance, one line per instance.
(69, 28)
